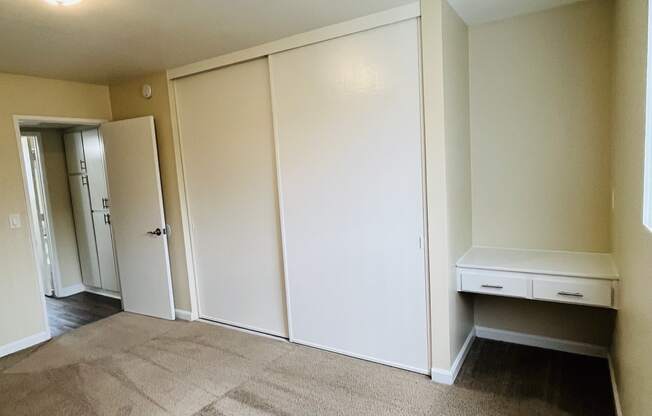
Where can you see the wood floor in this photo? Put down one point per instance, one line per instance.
(65, 314)
(573, 384)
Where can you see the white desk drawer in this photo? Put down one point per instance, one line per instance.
(570, 290)
(494, 283)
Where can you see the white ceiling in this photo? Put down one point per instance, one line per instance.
(482, 11)
(104, 40)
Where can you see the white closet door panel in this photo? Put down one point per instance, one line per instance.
(74, 152)
(105, 253)
(229, 163)
(84, 231)
(349, 142)
(94, 155)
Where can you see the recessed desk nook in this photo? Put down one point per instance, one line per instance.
(540, 275)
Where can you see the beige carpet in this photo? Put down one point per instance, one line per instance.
(133, 365)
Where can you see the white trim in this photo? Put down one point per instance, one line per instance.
(245, 330)
(182, 186)
(52, 241)
(279, 198)
(21, 344)
(38, 162)
(362, 357)
(62, 120)
(448, 376)
(71, 290)
(103, 292)
(614, 386)
(360, 24)
(183, 315)
(541, 342)
(647, 153)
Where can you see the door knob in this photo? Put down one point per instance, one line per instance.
(158, 231)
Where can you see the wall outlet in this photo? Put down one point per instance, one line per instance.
(14, 221)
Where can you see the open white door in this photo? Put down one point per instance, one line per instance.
(137, 217)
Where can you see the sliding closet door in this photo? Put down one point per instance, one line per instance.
(349, 137)
(229, 164)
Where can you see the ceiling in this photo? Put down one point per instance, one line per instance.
(104, 40)
(108, 40)
(482, 11)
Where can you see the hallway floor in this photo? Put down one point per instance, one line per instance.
(66, 314)
(135, 365)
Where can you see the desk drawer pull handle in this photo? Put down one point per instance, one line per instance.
(572, 294)
(492, 286)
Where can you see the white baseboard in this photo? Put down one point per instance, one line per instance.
(71, 290)
(448, 376)
(102, 292)
(21, 344)
(614, 386)
(183, 315)
(542, 342)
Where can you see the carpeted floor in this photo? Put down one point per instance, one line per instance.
(133, 365)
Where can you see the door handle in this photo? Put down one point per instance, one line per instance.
(156, 232)
(571, 294)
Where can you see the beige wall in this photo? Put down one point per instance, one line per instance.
(458, 167)
(61, 207)
(540, 151)
(568, 322)
(18, 281)
(127, 102)
(445, 74)
(540, 111)
(632, 241)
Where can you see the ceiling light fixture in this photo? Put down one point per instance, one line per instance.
(63, 2)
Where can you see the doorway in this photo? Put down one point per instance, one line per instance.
(83, 274)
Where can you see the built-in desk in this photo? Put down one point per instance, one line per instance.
(544, 275)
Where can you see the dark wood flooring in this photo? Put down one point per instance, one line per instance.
(65, 314)
(573, 384)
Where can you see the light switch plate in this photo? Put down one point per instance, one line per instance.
(14, 221)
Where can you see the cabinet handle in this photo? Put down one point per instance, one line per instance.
(105, 203)
(492, 286)
(82, 164)
(107, 219)
(85, 180)
(571, 294)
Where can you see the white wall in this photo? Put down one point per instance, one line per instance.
(540, 93)
(632, 241)
(61, 207)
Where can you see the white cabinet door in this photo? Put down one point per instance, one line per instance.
(81, 208)
(94, 156)
(105, 254)
(137, 216)
(75, 161)
(229, 164)
(349, 143)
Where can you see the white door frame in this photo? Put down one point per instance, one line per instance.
(51, 242)
(63, 120)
